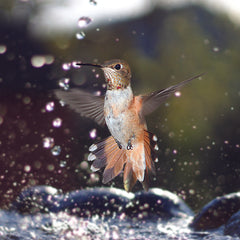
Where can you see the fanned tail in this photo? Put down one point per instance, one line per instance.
(138, 161)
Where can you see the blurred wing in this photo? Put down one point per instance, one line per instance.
(152, 101)
(84, 103)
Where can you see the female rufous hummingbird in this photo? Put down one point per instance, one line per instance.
(130, 144)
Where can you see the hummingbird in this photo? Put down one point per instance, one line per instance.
(130, 146)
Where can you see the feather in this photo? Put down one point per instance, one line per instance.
(107, 154)
(84, 103)
(152, 101)
(129, 177)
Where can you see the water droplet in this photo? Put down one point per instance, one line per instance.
(84, 21)
(66, 66)
(93, 133)
(154, 138)
(62, 103)
(50, 106)
(216, 49)
(64, 83)
(97, 93)
(93, 2)
(48, 142)
(177, 94)
(63, 163)
(27, 168)
(80, 35)
(38, 61)
(3, 49)
(156, 148)
(56, 150)
(57, 122)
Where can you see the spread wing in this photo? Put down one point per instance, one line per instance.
(84, 103)
(152, 101)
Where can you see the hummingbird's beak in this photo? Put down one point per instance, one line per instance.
(89, 64)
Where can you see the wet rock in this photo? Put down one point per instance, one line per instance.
(84, 203)
(232, 227)
(217, 212)
(36, 199)
(157, 202)
(103, 202)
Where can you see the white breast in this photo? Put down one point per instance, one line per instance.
(116, 107)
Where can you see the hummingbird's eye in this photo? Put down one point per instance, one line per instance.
(118, 66)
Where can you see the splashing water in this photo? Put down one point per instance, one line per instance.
(84, 22)
(66, 66)
(177, 94)
(80, 35)
(64, 83)
(57, 122)
(48, 142)
(93, 133)
(56, 150)
(50, 106)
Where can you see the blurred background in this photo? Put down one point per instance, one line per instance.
(165, 42)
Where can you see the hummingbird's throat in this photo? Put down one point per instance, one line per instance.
(114, 80)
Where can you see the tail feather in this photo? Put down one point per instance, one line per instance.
(138, 161)
(129, 177)
(114, 166)
(107, 153)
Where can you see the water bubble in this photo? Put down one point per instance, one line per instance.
(84, 21)
(56, 150)
(80, 35)
(64, 83)
(50, 106)
(3, 49)
(66, 66)
(57, 122)
(93, 133)
(48, 142)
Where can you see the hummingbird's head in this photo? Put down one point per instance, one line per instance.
(117, 74)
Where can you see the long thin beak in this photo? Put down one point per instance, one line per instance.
(89, 64)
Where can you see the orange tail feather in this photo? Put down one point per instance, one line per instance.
(138, 162)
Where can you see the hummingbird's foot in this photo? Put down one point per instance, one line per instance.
(119, 144)
(130, 146)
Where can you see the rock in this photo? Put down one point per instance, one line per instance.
(157, 202)
(232, 227)
(217, 212)
(103, 202)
